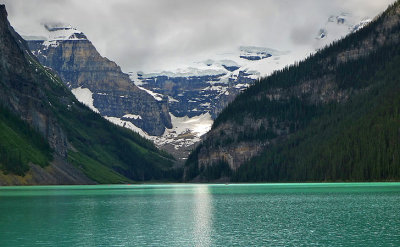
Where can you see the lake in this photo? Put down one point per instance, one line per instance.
(340, 214)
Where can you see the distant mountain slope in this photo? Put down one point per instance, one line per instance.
(48, 137)
(97, 81)
(332, 117)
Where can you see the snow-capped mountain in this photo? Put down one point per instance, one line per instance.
(56, 33)
(193, 95)
(207, 86)
(60, 33)
(197, 93)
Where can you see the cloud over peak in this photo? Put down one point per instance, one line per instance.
(145, 35)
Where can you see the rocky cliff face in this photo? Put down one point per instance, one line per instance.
(25, 98)
(246, 128)
(110, 92)
(198, 91)
(22, 93)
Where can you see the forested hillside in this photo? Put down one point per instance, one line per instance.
(333, 117)
(48, 137)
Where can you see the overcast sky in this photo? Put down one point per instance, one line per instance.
(156, 34)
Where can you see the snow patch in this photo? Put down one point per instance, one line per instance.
(128, 125)
(240, 85)
(362, 24)
(132, 116)
(134, 77)
(199, 125)
(85, 96)
(156, 96)
(184, 133)
(171, 100)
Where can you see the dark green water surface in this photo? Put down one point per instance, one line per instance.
(345, 214)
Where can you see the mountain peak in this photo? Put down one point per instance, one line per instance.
(63, 32)
(56, 32)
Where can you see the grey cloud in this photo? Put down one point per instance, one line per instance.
(302, 35)
(145, 35)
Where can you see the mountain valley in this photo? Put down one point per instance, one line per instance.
(185, 101)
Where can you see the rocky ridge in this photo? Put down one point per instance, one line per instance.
(97, 81)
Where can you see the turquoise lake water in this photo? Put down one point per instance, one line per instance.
(345, 214)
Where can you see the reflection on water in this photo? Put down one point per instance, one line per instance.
(202, 216)
(364, 214)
